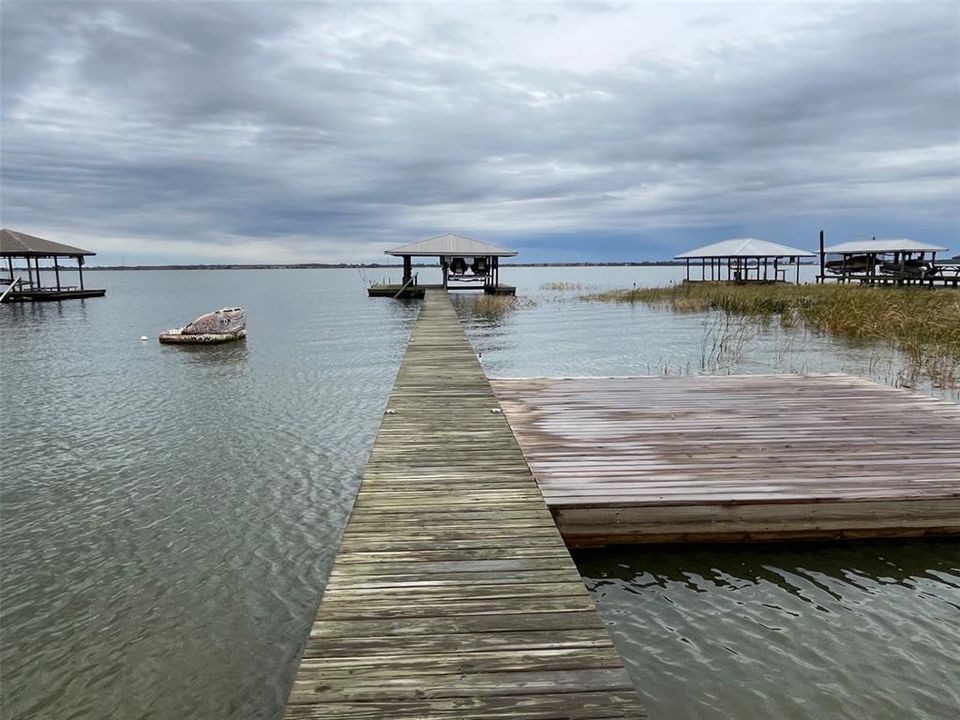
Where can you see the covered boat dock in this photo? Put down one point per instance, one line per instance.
(900, 262)
(29, 287)
(466, 264)
(743, 260)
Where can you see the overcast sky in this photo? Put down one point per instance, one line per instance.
(290, 132)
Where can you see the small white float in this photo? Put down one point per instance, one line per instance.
(224, 325)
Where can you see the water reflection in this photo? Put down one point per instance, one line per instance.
(489, 311)
(215, 354)
(821, 630)
(908, 563)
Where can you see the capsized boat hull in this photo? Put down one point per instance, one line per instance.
(178, 337)
(219, 326)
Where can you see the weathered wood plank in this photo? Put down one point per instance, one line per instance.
(307, 688)
(465, 624)
(571, 706)
(454, 642)
(452, 594)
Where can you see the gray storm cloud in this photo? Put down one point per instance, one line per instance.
(287, 132)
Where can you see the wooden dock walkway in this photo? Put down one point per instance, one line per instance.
(737, 458)
(453, 595)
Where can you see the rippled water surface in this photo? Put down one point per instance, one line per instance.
(169, 515)
(856, 631)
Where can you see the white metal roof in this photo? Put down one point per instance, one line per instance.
(883, 246)
(745, 248)
(451, 244)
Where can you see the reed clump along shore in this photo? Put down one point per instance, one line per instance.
(923, 323)
(495, 306)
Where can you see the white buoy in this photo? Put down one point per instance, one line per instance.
(143, 338)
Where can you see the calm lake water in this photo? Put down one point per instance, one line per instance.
(170, 515)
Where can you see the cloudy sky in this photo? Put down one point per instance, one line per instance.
(288, 132)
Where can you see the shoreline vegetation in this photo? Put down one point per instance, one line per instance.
(924, 324)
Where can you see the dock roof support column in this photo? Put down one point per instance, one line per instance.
(80, 269)
(56, 271)
(407, 269)
(820, 277)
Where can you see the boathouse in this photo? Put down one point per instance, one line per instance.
(887, 262)
(26, 284)
(465, 264)
(743, 260)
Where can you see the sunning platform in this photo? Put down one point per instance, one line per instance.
(737, 458)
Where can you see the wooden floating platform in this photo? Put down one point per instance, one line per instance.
(453, 595)
(52, 295)
(418, 291)
(737, 458)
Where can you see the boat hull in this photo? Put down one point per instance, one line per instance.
(176, 337)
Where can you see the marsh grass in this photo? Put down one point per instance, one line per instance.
(723, 343)
(497, 306)
(924, 324)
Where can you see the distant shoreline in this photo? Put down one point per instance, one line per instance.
(365, 266)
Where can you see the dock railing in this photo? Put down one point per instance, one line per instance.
(412, 280)
(16, 282)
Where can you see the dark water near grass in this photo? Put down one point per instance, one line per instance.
(168, 516)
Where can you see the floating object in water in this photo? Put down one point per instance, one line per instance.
(222, 325)
(143, 338)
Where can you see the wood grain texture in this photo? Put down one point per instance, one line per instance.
(737, 458)
(453, 595)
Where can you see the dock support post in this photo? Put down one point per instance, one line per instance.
(822, 264)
